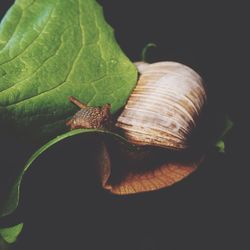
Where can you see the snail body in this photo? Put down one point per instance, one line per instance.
(89, 117)
(164, 107)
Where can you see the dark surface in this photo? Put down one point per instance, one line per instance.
(64, 209)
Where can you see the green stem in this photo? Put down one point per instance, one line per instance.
(145, 50)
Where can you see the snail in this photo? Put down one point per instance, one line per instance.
(162, 112)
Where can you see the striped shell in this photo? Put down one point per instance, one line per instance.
(164, 106)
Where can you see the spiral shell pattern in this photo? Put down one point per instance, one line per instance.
(164, 107)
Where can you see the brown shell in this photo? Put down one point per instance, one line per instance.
(164, 106)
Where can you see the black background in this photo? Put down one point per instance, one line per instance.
(207, 210)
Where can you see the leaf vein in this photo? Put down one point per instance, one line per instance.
(36, 70)
(70, 71)
(92, 82)
(14, 31)
(34, 40)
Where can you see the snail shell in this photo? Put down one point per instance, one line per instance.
(164, 107)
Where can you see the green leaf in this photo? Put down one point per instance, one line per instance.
(220, 145)
(10, 234)
(227, 126)
(51, 49)
(13, 196)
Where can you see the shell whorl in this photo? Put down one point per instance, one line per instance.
(164, 107)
